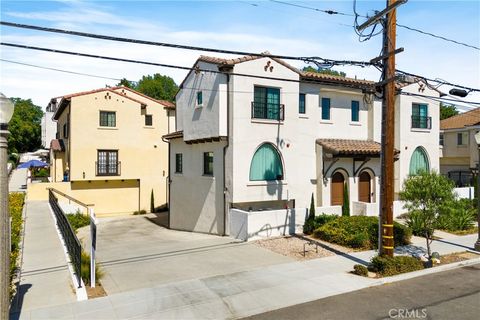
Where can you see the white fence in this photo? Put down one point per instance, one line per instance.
(465, 193)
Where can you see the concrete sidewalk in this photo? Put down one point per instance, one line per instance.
(237, 294)
(18, 180)
(45, 278)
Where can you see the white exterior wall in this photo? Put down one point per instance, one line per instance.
(208, 120)
(49, 129)
(407, 139)
(196, 201)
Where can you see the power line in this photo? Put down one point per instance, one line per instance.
(330, 12)
(315, 59)
(324, 81)
(439, 81)
(437, 98)
(60, 70)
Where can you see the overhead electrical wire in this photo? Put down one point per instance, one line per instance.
(315, 59)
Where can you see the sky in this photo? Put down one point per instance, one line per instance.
(250, 26)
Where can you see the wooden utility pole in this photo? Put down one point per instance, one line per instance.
(387, 177)
(388, 133)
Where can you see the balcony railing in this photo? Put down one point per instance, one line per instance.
(268, 111)
(108, 169)
(421, 122)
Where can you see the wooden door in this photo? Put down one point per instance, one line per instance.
(337, 189)
(364, 188)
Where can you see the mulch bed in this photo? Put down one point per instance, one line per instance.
(293, 247)
(96, 292)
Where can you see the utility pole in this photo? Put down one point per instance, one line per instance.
(386, 243)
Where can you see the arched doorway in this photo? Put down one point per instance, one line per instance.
(338, 181)
(364, 187)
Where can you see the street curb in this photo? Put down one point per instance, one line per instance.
(424, 272)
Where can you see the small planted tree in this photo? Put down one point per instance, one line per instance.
(346, 202)
(152, 202)
(309, 223)
(425, 196)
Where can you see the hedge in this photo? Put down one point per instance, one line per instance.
(359, 232)
(388, 266)
(16, 201)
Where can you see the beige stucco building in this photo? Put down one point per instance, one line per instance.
(109, 152)
(458, 149)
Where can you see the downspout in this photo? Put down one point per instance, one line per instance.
(168, 182)
(225, 210)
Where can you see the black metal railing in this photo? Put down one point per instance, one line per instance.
(421, 122)
(74, 247)
(108, 169)
(269, 111)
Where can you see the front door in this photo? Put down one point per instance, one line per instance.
(337, 189)
(364, 187)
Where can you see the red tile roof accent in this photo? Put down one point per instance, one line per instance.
(165, 103)
(173, 135)
(57, 145)
(461, 120)
(351, 147)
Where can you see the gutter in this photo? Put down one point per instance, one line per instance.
(225, 209)
(168, 180)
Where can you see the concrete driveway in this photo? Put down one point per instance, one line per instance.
(136, 252)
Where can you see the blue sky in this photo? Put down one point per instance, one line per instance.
(248, 25)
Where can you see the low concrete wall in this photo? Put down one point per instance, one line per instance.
(364, 209)
(253, 225)
(398, 208)
(335, 210)
(465, 193)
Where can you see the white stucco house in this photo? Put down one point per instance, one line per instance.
(255, 138)
(49, 127)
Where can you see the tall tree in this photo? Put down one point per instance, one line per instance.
(325, 71)
(157, 86)
(447, 111)
(25, 127)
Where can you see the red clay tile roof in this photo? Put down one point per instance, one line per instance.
(461, 120)
(303, 75)
(173, 135)
(57, 145)
(165, 103)
(351, 147)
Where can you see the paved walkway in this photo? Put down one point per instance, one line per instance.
(237, 294)
(45, 279)
(18, 180)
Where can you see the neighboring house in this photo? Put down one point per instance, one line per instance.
(256, 134)
(49, 127)
(109, 148)
(459, 150)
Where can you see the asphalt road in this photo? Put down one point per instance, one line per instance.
(453, 294)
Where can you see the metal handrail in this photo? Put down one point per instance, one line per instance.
(417, 122)
(70, 198)
(259, 110)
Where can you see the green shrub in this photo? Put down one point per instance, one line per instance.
(358, 232)
(41, 173)
(15, 204)
(308, 227)
(346, 202)
(135, 213)
(152, 202)
(317, 222)
(85, 270)
(78, 220)
(360, 270)
(388, 266)
(459, 215)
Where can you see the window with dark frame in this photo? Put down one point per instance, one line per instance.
(107, 163)
(148, 120)
(442, 139)
(301, 103)
(65, 130)
(199, 98)
(420, 118)
(325, 108)
(462, 138)
(355, 111)
(178, 163)
(266, 103)
(108, 119)
(208, 163)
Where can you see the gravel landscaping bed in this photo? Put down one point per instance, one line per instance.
(293, 247)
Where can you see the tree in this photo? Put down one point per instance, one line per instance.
(346, 201)
(447, 111)
(156, 86)
(25, 127)
(325, 71)
(426, 195)
(309, 223)
(152, 202)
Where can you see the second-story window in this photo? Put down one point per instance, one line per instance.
(462, 138)
(266, 104)
(107, 163)
(199, 99)
(420, 118)
(108, 119)
(208, 163)
(325, 108)
(148, 120)
(355, 111)
(442, 141)
(301, 103)
(178, 162)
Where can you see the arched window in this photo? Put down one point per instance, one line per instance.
(266, 164)
(419, 161)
